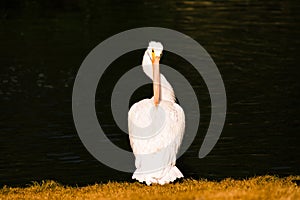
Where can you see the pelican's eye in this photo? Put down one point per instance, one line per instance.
(153, 55)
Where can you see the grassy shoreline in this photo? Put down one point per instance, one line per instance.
(260, 187)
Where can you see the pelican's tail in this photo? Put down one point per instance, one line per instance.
(161, 177)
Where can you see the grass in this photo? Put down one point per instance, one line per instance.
(261, 187)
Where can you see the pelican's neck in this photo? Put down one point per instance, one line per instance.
(166, 90)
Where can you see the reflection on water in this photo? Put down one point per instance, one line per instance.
(254, 44)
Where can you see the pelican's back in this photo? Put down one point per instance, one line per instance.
(156, 152)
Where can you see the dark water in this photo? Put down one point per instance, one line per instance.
(255, 45)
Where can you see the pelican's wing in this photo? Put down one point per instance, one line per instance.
(175, 129)
(179, 127)
(132, 115)
(138, 117)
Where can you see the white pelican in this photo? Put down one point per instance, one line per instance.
(156, 126)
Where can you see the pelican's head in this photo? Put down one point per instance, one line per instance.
(154, 51)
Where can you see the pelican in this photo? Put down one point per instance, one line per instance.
(156, 126)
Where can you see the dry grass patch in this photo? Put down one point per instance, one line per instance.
(261, 187)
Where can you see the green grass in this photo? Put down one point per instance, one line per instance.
(261, 187)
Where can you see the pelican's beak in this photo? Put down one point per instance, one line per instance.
(156, 78)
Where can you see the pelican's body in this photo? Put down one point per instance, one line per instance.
(156, 126)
